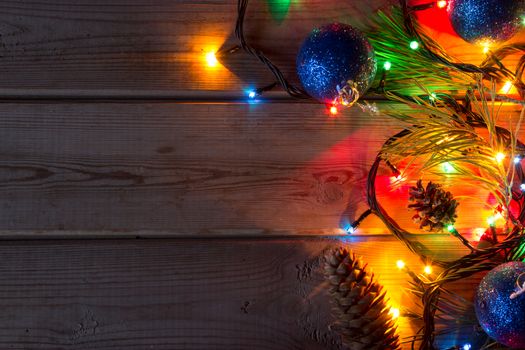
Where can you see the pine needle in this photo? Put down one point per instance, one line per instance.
(391, 43)
(439, 135)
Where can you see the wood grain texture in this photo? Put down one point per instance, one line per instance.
(120, 169)
(147, 48)
(137, 48)
(190, 168)
(180, 294)
(194, 169)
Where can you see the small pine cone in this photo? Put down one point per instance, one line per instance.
(435, 208)
(360, 305)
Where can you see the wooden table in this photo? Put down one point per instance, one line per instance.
(146, 205)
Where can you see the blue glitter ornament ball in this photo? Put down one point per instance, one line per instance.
(500, 307)
(486, 21)
(330, 57)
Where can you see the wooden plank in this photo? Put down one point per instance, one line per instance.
(182, 294)
(193, 169)
(132, 48)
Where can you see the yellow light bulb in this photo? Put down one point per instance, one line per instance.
(478, 232)
(394, 311)
(441, 4)
(499, 157)
(211, 59)
(428, 269)
(486, 48)
(507, 87)
(447, 167)
(400, 264)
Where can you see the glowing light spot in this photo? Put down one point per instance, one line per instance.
(491, 221)
(451, 228)
(486, 48)
(522, 187)
(400, 264)
(428, 269)
(350, 229)
(506, 88)
(467, 346)
(252, 94)
(447, 138)
(478, 232)
(414, 45)
(517, 160)
(395, 180)
(279, 9)
(211, 60)
(387, 65)
(333, 110)
(394, 311)
(499, 157)
(447, 167)
(441, 4)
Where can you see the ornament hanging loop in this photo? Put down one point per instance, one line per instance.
(520, 288)
(347, 95)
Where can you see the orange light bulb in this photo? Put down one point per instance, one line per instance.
(211, 59)
(394, 311)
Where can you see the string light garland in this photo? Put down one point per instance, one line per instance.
(430, 52)
(413, 69)
(477, 260)
(291, 89)
(491, 68)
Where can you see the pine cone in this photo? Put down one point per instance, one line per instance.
(435, 208)
(360, 305)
